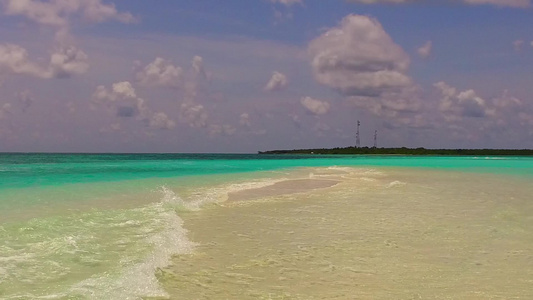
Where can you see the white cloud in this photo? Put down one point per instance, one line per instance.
(470, 116)
(14, 59)
(189, 82)
(472, 104)
(508, 107)
(425, 50)
(315, 106)
(394, 107)
(193, 114)
(277, 82)
(507, 101)
(287, 2)
(160, 73)
(124, 89)
(358, 58)
(67, 61)
(455, 105)
(57, 12)
(198, 67)
(123, 100)
(161, 120)
(119, 91)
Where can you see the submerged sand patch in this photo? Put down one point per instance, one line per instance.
(437, 235)
(282, 188)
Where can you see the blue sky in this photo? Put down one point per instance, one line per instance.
(248, 75)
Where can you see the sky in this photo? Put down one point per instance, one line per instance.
(241, 76)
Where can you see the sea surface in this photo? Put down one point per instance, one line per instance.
(247, 226)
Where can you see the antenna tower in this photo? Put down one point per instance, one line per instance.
(376, 139)
(357, 138)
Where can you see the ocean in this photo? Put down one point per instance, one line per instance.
(247, 226)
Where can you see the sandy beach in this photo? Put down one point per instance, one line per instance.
(364, 235)
(281, 188)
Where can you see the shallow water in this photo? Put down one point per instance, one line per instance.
(391, 234)
(246, 226)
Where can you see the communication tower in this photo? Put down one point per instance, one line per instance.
(376, 139)
(357, 138)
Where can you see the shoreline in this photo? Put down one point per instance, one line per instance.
(404, 151)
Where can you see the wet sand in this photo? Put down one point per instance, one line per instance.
(285, 187)
(394, 235)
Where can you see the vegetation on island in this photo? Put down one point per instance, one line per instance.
(406, 151)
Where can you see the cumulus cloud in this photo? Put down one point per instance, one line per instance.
(198, 67)
(118, 91)
(58, 12)
(358, 58)
(189, 82)
(14, 59)
(122, 98)
(471, 116)
(160, 73)
(315, 106)
(509, 109)
(455, 105)
(278, 81)
(507, 101)
(425, 50)
(193, 114)
(405, 108)
(472, 104)
(161, 120)
(67, 61)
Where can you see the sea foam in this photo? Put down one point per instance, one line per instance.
(111, 254)
(139, 279)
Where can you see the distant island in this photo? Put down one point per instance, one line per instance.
(406, 151)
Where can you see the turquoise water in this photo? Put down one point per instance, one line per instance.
(99, 226)
(26, 170)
